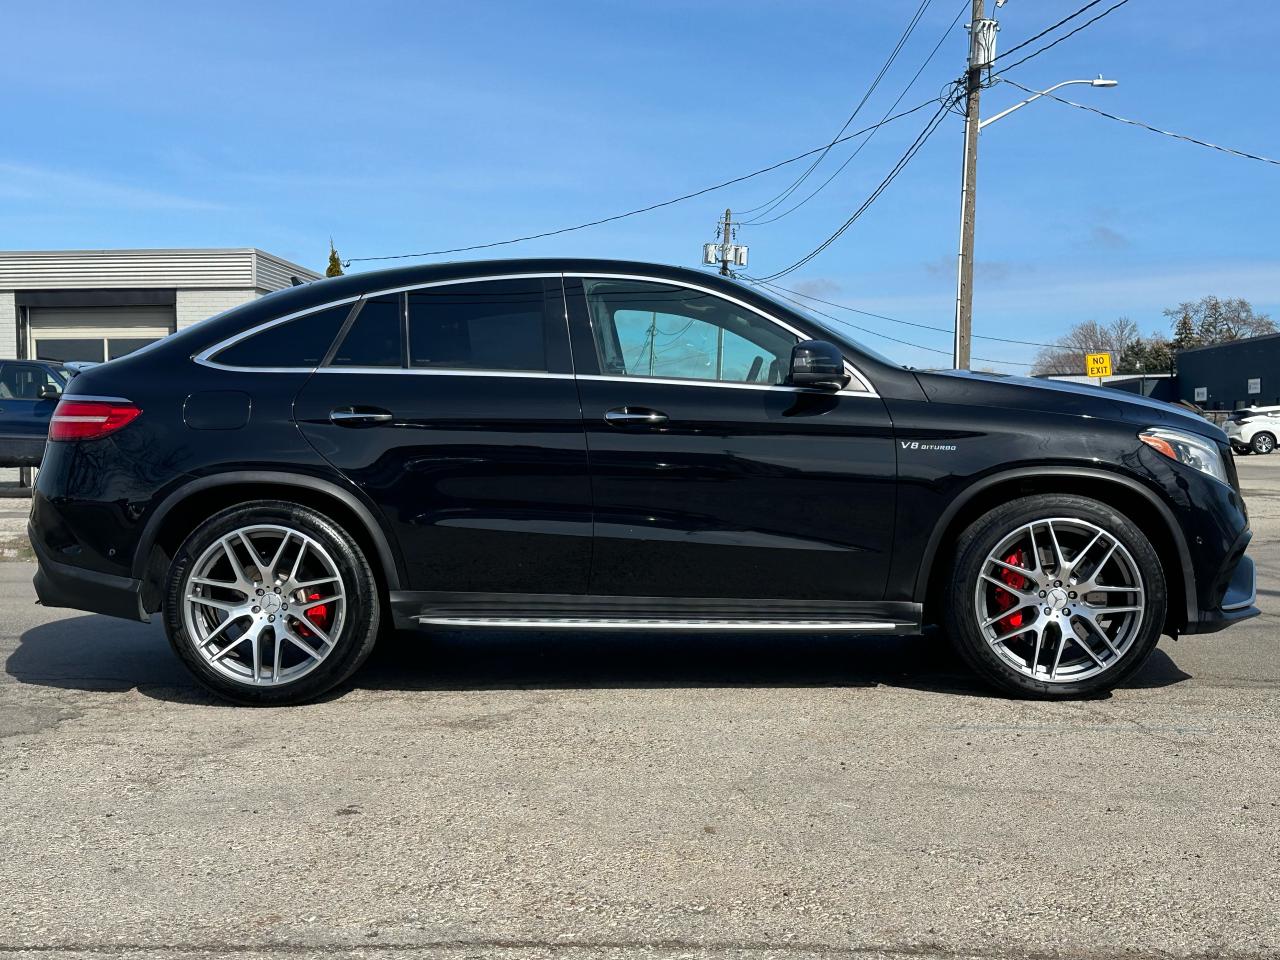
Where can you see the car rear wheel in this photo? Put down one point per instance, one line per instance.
(271, 603)
(1263, 442)
(1055, 596)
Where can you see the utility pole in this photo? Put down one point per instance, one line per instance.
(726, 239)
(726, 253)
(982, 50)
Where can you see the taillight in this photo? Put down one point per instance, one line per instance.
(90, 419)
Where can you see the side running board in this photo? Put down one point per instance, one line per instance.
(572, 611)
(655, 623)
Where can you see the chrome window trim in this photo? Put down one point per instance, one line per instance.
(855, 375)
(205, 356)
(450, 372)
(723, 384)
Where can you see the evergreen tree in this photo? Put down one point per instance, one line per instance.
(1146, 355)
(1184, 332)
(334, 269)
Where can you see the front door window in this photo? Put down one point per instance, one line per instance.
(647, 329)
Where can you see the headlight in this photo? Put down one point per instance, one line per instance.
(1188, 449)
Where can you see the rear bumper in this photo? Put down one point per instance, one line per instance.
(62, 585)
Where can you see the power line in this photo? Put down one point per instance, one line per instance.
(906, 158)
(651, 207)
(923, 326)
(1147, 126)
(876, 333)
(1030, 40)
(1071, 33)
(911, 25)
(905, 90)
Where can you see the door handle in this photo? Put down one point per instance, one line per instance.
(634, 417)
(359, 416)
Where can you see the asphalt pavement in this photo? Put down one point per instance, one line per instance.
(522, 796)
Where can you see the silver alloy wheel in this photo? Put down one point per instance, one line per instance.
(1263, 443)
(264, 604)
(1060, 600)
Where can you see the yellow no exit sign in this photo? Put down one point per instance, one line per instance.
(1097, 364)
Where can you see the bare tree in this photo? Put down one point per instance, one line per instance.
(1066, 357)
(1211, 320)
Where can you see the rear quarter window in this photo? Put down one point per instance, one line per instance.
(300, 342)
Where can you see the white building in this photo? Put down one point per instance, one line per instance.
(101, 304)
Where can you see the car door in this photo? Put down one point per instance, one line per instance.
(453, 406)
(24, 414)
(710, 476)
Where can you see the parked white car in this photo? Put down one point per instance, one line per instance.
(1253, 429)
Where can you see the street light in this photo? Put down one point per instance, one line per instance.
(1099, 82)
(969, 200)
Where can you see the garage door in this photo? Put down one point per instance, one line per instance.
(95, 333)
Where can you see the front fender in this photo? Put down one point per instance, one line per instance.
(944, 528)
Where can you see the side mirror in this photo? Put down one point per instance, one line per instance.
(50, 392)
(818, 364)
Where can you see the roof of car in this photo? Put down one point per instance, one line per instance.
(334, 289)
(425, 273)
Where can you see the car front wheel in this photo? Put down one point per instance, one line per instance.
(271, 603)
(1055, 596)
(1263, 442)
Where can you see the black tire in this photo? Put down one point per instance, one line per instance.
(1263, 442)
(359, 629)
(1240, 449)
(986, 533)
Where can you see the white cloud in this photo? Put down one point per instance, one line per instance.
(59, 188)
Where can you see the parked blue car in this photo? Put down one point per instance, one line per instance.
(29, 390)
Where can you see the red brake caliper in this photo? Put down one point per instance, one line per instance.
(317, 615)
(1003, 598)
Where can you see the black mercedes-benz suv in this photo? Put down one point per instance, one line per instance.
(613, 445)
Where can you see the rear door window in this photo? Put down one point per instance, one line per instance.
(485, 325)
(375, 338)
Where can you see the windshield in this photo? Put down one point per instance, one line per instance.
(826, 321)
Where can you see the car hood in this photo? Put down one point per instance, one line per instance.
(1060, 397)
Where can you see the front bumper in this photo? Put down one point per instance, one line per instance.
(62, 585)
(1238, 600)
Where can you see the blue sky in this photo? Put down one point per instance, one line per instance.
(414, 126)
